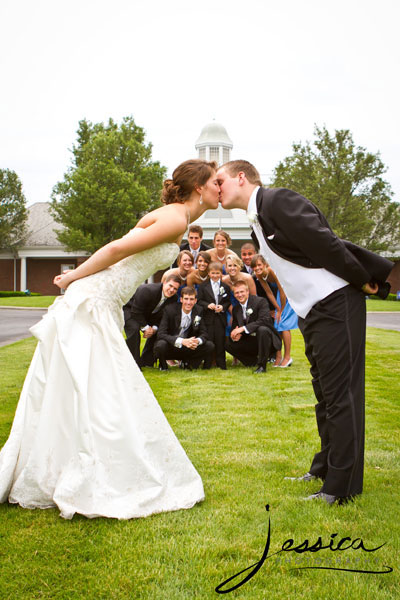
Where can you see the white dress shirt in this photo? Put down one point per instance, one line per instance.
(185, 324)
(304, 287)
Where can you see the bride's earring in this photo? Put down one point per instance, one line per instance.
(201, 199)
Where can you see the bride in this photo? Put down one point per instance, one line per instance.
(88, 435)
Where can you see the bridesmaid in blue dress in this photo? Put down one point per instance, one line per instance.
(285, 317)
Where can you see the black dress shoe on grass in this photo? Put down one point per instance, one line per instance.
(260, 370)
(329, 499)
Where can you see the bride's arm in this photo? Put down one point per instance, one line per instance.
(167, 229)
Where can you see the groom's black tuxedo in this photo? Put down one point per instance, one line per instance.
(295, 229)
(334, 329)
(139, 312)
(262, 341)
(169, 332)
(215, 322)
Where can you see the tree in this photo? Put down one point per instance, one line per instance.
(346, 183)
(12, 209)
(110, 185)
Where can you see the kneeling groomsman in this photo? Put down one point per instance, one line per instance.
(215, 299)
(182, 334)
(253, 338)
(143, 313)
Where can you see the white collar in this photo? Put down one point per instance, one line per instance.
(252, 206)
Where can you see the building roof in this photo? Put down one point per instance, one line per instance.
(41, 226)
(214, 134)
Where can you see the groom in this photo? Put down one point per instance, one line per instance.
(325, 279)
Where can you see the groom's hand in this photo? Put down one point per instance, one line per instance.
(370, 288)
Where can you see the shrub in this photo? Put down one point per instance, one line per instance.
(12, 294)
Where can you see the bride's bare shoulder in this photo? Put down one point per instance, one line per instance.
(172, 213)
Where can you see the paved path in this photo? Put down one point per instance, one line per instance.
(14, 324)
(384, 320)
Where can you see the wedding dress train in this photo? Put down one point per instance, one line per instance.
(88, 435)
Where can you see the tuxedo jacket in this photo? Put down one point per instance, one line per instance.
(206, 297)
(143, 302)
(244, 270)
(259, 315)
(295, 229)
(171, 323)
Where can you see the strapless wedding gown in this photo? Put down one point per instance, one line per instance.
(88, 435)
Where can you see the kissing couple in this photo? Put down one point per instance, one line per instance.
(89, 436)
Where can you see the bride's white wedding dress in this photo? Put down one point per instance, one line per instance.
(88, 435)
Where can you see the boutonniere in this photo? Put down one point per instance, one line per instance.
(222, 291)
(197, 320)
(249, 312)
(253, 217)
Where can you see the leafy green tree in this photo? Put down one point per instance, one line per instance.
(346, 183)
(110, 185)
(12, 209)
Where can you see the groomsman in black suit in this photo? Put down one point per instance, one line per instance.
(214, 298)
(143, 313)
(182, 334)
(325, 279)
(195, 243)
(247, 251)
(253, 338)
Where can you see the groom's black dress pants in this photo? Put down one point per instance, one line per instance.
(334, 334)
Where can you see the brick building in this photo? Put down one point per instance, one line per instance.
(40, 258)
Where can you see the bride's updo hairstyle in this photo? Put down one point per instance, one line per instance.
(186, 177)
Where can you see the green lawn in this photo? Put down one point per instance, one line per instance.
(244, 433)
(383, 305)
(45, 301)
(31, 301)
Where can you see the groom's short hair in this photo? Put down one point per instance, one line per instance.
(233, 167)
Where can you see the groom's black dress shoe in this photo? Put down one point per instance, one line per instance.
(260, 369)
(305, 477)
(329, 499)
(163, 368)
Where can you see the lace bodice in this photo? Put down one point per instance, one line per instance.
(114, 286)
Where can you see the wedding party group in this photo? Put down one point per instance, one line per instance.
(89, 436)
(213, 301)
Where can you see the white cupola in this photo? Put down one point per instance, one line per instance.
(214, 143)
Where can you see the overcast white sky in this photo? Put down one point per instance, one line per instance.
(266, 70)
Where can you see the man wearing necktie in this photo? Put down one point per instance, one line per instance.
(195, 243)
(253, 339)
(214, 298)
(325, 280)
(182, 334)
(143, 314)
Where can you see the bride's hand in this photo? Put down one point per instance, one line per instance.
(63, 281)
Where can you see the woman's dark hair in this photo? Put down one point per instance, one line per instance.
(186, 177)
(205, 256)
(255, 260)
